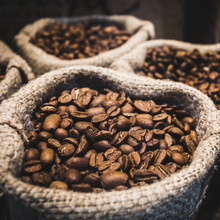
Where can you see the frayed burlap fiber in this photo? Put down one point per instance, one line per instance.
(175, 197)
(134, 60)
(17, 72)
(41, 62)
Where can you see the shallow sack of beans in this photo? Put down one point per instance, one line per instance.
(192, 64)
(94, 164)
(14, 72)
(94, 40)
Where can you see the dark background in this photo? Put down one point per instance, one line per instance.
(195, 21)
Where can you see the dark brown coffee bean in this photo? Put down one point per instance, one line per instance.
(102, 146)
(98, 100)
(71, 109)
(148, 176)
(176, 132)
(168, 139)
(125, 163)
(95, 111)
(48, 108)
(123, 124)
(42, 145)
(103, 135)
(72, 176)
(89, 153)
(187, 157)
(58, 171)
(92, 179)
(126, 149)
(176, 149)
(113, 179)
(186, 128)
(153, 144)
(83, 187)
(160, 157)
(109, 103)
(82, 148)
(148, 136)
(51, 122)
(188, 144)
(44, 135)
(127, 108)
(163, 144)
(113, 129)
(108, 165)
(157, 133)
(194, 137)
(178, 158)
(99, 118)
(66, 123)
(32, 166)
(74, 134)
(96, 159)
(47, 157)
(33, 138)
(41, 179)
(112, 154)
(134, 158)
(70, 140)
(160, 117)
(78, 163)
(81, 126)
(142, 106)
(32, 154)
(188, 120)
(66, 150)
(134, 139)
(53, 143)
(144, 121)
(80, 115)
(162, 171)
(120, 138)
(61, 134)
(90, 133)
(58, 185)
(113, 111)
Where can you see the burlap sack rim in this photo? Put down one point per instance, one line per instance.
(129, 63)
(15, 64)
(146, 29)
(135, 192)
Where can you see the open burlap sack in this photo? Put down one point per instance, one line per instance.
(40, 61)
(134, 60)
(175, 197)
(18, 71)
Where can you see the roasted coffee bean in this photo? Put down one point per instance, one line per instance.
(47, 157)
(51, 122)
(108, 165)
(112, 154)
(92, 179)
(27, 179)
(134, 158)
(83, 187)
(32, 154)
(96, 159)
(102, 146)
(41, 146)
(41, 179)
(58, 171)
(61, 134)
(78, 163)
(58, 185)
(113, 179)
(72, 176)
(66, 150)
(126, 149)
(53, 143)
(148, 141)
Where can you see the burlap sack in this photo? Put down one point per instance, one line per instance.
(134, 60)
(17, 73)
(175, 197)
(40, 61)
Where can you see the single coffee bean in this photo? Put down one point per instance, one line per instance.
(78, 163)
(113, 179)
(83, 187)
(92, 179)
(178, 158)
(101, 146)
(108, 165)
(126, 149)
(66, 150)
(72, 176)
(51, 122)
(61, 134)
(96, 159)
(41, 179)
(32, 166)
(58, 185)
(58, 171)
(148, 176)
(81, 126)
(47, 157)
(70, 140)
(66, 123)
(125, 163)
(95, 111)
(89, 153)
(134, 158)
(32, 154)
(162, 171)
(53, 143)
(44, 136)
(112, 154)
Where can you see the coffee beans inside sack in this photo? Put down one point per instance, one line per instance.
(193, 68)
(81, 40)
(89, 141)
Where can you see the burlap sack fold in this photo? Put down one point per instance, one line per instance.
(40, 61)
(18, 71)
(134, 60)
(175, 197)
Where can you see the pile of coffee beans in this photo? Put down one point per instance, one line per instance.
(91, 141)
(201, 71)
(2, 71)
(80, 40)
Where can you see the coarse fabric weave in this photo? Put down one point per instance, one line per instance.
(41, 62)
(17, 72)
(134, 60)
(175, 197)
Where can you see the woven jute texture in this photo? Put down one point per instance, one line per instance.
(17, 72)
(175, 197)
(134, 60)
(41, 62)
